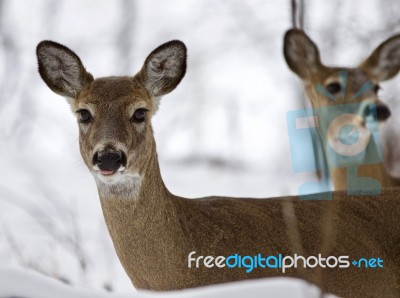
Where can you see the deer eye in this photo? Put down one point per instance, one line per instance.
(377, 88)
(333, 88)
(139, 115)
(84, 116)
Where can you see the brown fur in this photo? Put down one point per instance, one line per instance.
(303, 58)
(153, 231)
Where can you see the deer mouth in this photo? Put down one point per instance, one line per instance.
(108, 172)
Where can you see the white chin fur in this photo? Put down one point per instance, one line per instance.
(119, 184)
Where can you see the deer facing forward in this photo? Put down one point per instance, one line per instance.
(343, 96)
(154, 231)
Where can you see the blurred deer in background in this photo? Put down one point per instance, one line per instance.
(347, 109)
(157, 234)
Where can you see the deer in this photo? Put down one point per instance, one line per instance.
(355, 91)
(166, 242)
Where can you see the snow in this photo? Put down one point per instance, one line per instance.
(39, 286)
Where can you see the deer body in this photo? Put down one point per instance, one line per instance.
(154, 231)
(332, 88)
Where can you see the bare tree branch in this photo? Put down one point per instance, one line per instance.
(294, 13)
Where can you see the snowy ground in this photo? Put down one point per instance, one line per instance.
(38, 286)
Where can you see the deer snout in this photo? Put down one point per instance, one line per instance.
(109, 161)
(379, 112)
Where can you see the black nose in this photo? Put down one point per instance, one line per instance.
(108, 160)
(382, 112)
(379, 112)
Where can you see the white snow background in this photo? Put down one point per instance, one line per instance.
(221, 132)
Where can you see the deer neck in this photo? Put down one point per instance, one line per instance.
(141, 190)
(374, 171)
(150, 206)
(356, 174)
(143, 199)
(142, 224)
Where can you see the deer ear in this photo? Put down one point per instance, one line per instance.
(164, 68)
(384, 62)
(301, 54)
(61, 69)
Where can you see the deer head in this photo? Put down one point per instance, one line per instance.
(344, 98)
(114, 113)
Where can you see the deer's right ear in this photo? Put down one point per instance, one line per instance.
(301, 54)
(61, 69)
(384, 63)
(164, 68)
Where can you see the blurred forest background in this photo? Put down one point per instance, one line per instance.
(222, 131)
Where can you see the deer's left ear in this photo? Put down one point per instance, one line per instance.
(61, 69)
(301, 53)
(384, 62)
(164, 68)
